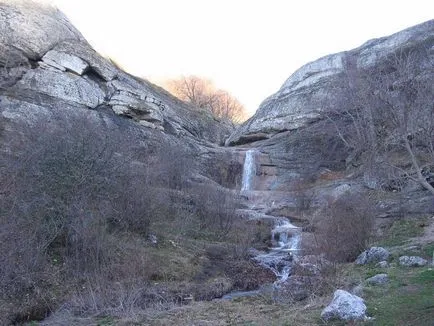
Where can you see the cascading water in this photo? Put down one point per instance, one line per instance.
(285, 237)
(286, 243)
(249, 170)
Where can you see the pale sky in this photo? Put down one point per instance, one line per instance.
(246, 47)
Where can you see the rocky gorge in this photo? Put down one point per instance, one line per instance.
(178, 200)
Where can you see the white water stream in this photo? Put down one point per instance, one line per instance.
(286, 244)
(286, 237)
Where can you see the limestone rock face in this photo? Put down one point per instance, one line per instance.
(345, 306)
(29, 30)
(312, 92)
(43, 56)
(63, 85)
(65, 61)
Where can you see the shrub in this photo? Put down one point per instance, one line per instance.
(344, 228)
(215, 209)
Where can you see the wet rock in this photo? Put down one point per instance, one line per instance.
(373, 255)
(412, 261)
(310, 265)
(345, 306)
(379, 279)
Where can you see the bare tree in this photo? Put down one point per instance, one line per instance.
(390, 112)
(203, 94)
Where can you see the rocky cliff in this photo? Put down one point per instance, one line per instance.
(301, 130)
(315, 89)
(44, 59)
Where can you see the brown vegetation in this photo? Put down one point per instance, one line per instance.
(387, 114)
(203, 94)
(77, 206)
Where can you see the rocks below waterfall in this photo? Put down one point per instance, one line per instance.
(345, 306)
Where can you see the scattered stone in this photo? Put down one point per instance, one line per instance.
(412, 261)
(382, 264)
(373, 255)
(379, 279)
(345, 306)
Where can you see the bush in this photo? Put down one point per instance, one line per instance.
(215, 209)
(68, 193)
(344, 228)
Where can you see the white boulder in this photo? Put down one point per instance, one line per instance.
(345, 306)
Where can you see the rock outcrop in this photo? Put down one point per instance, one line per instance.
(316, 88)
(301, 131)
(43, 56)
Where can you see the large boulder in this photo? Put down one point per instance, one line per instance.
(345, 306)
(412, 261)
(373, 255)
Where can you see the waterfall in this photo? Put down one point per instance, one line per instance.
(249, 170)
(286, 239)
